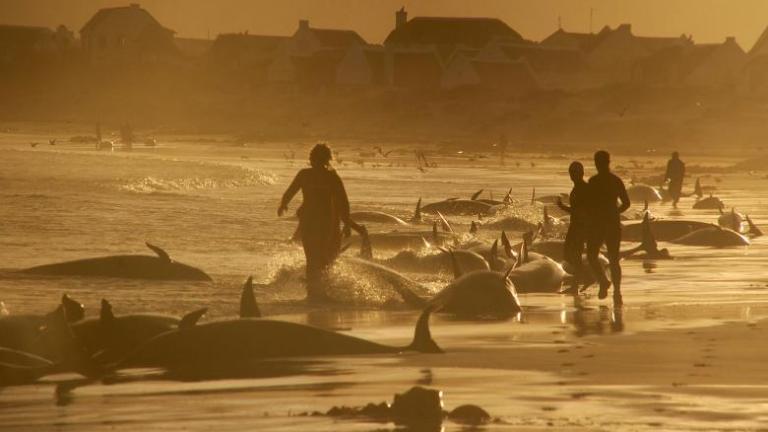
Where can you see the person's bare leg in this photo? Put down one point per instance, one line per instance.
(593, 252)
(613, 244)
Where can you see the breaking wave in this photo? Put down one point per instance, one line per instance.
(244, 178)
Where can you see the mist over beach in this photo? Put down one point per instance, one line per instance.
(177, 183)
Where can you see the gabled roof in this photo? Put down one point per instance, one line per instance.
(546, 59)
(583, 41)
(121, 13)
(761, 46)
(473, 32)
(331, 38)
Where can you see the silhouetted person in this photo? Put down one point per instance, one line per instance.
(325, 206)
(576, 237)
(606, 189)
(675, 173)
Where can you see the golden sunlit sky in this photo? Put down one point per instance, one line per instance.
(706, 20)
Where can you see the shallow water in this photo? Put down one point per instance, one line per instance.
(213, 206)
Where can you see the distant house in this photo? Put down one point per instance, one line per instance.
(469, 68)
(192, 48)
(701, 65)
(554, 67)
(249, 56)
(583, 42)
(364, 65)
(126, 34)
(416, 68)
(755, 79)
(309, 48)
(20, 43)
(447, 34)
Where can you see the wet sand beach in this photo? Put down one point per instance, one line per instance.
(686, 352)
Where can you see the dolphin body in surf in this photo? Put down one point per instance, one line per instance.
(713, 236)
(709, 203)
(535, 273)
(459, 207)
(376, 217)
(663, 230)
(219, 347)
(732, 220)
(158, 267)
(643, 192)
(23, 332)
(18, 367)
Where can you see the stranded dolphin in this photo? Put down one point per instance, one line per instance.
(159, 267)
(218, 347)
(714, 236)
(22, 332)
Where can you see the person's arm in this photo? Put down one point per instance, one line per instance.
(623, 196)
(290, 193)
(562, 206)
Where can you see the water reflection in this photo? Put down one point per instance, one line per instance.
(590, 321)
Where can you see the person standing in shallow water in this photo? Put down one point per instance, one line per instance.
(606, 190)
(576, 237)
(675, 173)
(325, 206)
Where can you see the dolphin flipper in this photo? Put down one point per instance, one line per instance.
(163, 255)
(753, 229)
(248, 306)
(191, 319)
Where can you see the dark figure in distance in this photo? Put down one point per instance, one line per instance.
(675, 173)
(605, 224)
(576, 237)
(325, 206)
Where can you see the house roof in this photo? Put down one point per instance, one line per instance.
(332, 38)
(761, 46)
(474, 32)
(23, 35)
(122, 16)
(686, 59)
(583, 41)
(546, 59)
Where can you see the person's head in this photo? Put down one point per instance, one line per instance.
(602, 161)
(320, 156)
(675, 155)
(576, 171)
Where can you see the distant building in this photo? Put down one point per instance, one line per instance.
(249, 56)
(126, 34)
(470, 68)
(21, 43)
(311, 55)
(701, 65)
(364, 65)
(447, 34)
(416, 68)
(755, 79)
(554, 67)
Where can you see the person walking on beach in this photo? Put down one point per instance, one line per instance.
(325, 206)
(576, 237)
(675, 173)
(606, 189)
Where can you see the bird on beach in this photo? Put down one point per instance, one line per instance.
(52, 141)
(33, 145)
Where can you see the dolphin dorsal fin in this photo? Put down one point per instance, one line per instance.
(163, 255)
(457, 270)
(505, 243)
(476, 195)
(495, 249)
(105, 314)
(417, 212)
(753, 229)
(366, 249)
(533, 196)
(248, 306)
(508, 196)
(190, 320)
(73, 309)
(473, 228)
(697, 188)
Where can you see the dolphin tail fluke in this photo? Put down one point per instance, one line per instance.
(422, 338)
(248, 306)
(163, 255)
(191, 319)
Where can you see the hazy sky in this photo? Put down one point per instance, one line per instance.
(706, 20)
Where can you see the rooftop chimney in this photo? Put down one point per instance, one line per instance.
(303, 24)
(401, 17)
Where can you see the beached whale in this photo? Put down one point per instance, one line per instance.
(714, 236)
(663, 230)
(549, 199)
(218, 347)
(643, 192)
(490, 201)
(159, 267)
(23, 332)
(435, 262)
(648, 247)
(535, 273)
(400, 240)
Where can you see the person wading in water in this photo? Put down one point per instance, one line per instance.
(325, 206)
(675, 173)
(606, 189)
(576, 237)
